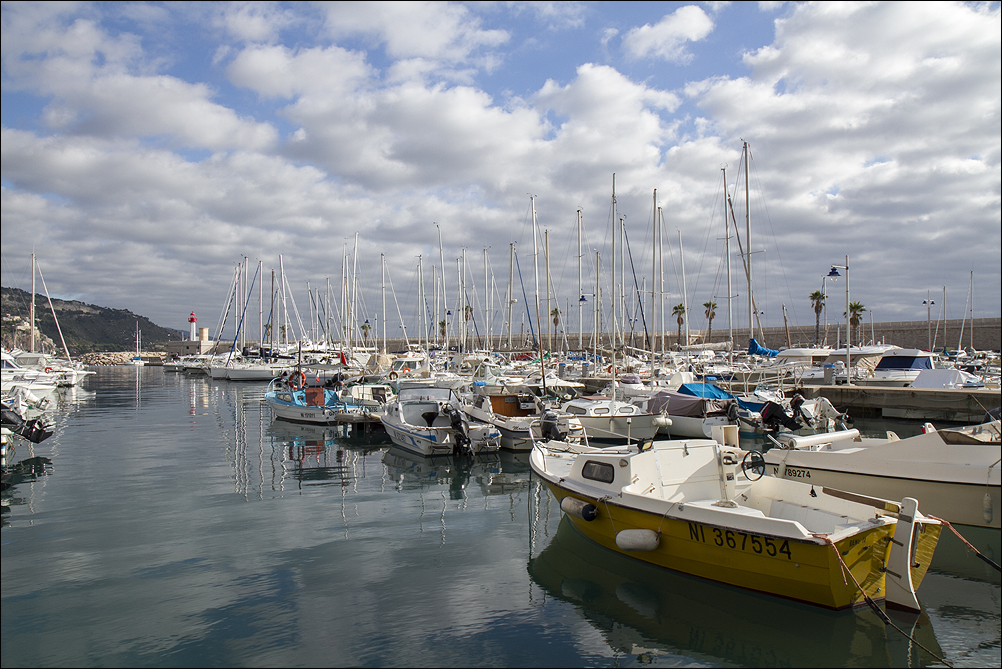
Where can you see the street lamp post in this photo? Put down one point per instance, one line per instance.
(928, 302)
(848, 330)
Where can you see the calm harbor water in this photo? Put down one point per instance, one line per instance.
(178, 525)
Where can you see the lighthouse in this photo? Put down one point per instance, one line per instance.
(191, 326)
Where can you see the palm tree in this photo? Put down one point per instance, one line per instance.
(365, 327)
(556, 316)
(441, 328)
(468, 312)
(679, 312)
(711, 312)
(856, 310)
(818, 304)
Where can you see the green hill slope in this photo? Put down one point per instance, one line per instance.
(86, 327)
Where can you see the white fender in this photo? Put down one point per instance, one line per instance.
(578, 508)
(638, 540)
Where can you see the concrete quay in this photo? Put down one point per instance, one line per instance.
(960, 405)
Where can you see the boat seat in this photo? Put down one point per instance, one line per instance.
(813, 520)
(429, 417)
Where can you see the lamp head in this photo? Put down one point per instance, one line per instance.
(834, 273)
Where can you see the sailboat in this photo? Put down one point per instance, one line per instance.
(138, 359)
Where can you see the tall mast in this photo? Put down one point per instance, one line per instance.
(445, 298)
(751, 307)
(285, 309)
(461, 270)
(654, 274)
(661, 278)
(487, 305)
(271, 318)
(434, 299)
(615, 291)
(511, 283)
(685, 295)
(549, 290)
(31, 309)
(730, 294)
(261, 306)
(535, 264)
(421, 304)
(598, 306)
(354, 284)
(580, 290)
(382, 289)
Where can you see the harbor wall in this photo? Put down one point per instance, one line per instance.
(986, 333)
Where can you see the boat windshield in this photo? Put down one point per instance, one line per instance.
(905, 362)
(436, 394)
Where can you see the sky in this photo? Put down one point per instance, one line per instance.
(147, 148)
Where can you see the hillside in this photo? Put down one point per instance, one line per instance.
(86, 327)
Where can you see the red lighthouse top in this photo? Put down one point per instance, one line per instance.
(192, 319)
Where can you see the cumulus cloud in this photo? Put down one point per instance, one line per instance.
(431, 30)
(667, 39)
(872, 132)
(253, 21)
(872, 127)
(100, 84)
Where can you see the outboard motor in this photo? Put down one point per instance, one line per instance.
(796, 402)
(551, 431)
(32, 430)
(774, 417)
(461, 431)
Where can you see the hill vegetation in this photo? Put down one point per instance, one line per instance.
(86, 327)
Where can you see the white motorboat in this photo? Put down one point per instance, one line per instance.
(610, 421)
(898, 367)
(514, 412)
(430, 421)
(954, 473)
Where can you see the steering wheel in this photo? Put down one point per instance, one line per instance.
(753, 463)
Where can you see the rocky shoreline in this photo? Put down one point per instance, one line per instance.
(108, 358)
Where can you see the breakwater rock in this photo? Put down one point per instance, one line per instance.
(117, 358)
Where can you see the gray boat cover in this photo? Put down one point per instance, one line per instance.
(680, 404)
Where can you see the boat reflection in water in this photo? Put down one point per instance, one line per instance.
(497, 473)
(647, 611)
(322, 454)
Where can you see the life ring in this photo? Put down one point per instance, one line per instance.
(611, 370)
(48, 370)
(393, 376)
(297, 380)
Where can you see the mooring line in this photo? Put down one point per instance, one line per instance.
(873, 605)
(968, 544)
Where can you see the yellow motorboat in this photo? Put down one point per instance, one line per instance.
(702, 507)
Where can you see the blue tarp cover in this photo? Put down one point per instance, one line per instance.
(705, 390)
(754, 348)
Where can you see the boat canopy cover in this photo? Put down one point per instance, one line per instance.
(754, 348)
(680, 404)
(707, 390)
(942, 378)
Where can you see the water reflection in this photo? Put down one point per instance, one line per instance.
(499, 473)
(646, 611)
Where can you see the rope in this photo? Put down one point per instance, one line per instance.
(872, 604)
(968, 544)
(609, 511)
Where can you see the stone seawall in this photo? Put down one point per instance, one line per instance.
(987, 335)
